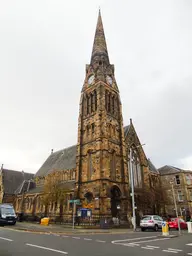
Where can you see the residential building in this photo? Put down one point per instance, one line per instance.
(181, 180)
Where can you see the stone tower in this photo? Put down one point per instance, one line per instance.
(102, 175)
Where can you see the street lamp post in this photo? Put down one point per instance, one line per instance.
(132, 191)
(132, 187)
(175, 203)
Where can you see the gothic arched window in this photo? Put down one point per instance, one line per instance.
(137, 169)
(85, 105)
(88, 130)
(113, 166)
(92, 128)
(106, 100)
(95, 94)
(109, 103)
(92, 100)
(89, 104)
(73, 175)
(116, 102)
(90, 166)
(113, 105)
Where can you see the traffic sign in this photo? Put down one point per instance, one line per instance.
(75, 201)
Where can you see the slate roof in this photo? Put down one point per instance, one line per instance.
(152, 168)
(36, 190)
(13, 179)
(68, 185)
(64, 159)
(126, 129)
(167, 169)
(25, 186)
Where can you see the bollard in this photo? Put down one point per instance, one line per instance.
(165, 228)
(45, 221)
(189, 227)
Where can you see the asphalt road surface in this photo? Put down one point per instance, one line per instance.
(18, 243)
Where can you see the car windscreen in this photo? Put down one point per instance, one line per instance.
(147, 218)
(7, 211)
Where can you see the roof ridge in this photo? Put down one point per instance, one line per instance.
(60, 150)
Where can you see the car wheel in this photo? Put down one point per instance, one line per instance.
(142, 229)
(156, 228)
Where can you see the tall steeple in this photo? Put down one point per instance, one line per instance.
(100, 165)
(99, 44)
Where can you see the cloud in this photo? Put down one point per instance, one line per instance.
(186, 162)
(44, 47)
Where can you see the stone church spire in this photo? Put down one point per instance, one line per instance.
(99, 44)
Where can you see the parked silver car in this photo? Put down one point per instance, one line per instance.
(151, 222)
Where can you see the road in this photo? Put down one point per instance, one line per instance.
(18, 243)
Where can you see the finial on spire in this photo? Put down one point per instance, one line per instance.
(99, 44)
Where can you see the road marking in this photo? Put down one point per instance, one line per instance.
(153, 240)
(189, 253)
(189, 244)
(46, 248)
(56, 235)
(88, 239)
(130, 244)
(75, 237)
(148, 248)
(6, 239)
(134, 244)
(65, 236)
(151, 246)
(178, 250)
(169, 251)
(100, 241)
(132, 239)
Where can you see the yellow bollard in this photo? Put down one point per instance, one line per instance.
(45, 221)
(165, 228)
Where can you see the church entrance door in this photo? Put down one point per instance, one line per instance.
(115, 201)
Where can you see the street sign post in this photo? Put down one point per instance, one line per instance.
(74, 202)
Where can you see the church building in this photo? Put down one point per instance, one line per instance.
(96, 171)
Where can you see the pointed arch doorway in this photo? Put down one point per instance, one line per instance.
(115, 193)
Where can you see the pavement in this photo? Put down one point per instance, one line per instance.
(62, 229)
(17, 242)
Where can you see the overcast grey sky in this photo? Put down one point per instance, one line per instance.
(44, 47)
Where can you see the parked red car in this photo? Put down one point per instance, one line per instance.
(173, 223)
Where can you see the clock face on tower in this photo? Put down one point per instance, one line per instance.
(91, 79)
(109, 80)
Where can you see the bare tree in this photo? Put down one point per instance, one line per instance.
(155, 196)
(54, 191)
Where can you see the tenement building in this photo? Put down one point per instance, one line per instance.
(177, 183)
(96, 170)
